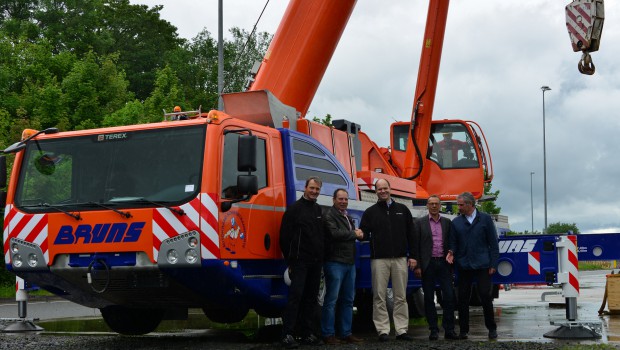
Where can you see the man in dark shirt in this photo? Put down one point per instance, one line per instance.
(339, 270)
(302, 244)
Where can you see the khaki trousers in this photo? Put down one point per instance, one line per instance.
(382, 271)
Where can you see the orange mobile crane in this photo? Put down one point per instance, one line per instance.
(146, 221)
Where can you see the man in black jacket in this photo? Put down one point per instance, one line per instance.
(339, 270)
(302, 244)
(388, 226)
(432, 234)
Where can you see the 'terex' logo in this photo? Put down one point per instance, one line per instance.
(100, 233)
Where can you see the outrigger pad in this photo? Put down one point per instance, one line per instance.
(578, 332)
(21, 326)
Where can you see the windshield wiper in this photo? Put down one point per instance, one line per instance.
(179, 212)
(75, 216)
(124, 214)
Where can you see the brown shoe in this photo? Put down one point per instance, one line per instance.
(331, 340)
(352, 339)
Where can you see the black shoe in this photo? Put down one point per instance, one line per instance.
(311, 340)
(288, 342)
(433, 335)
(451, 336)
(463, 335)
(493, 334)
(405, 337)
(383, 337)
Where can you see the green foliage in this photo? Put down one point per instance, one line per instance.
(195, 64)
(79, 65)
(561, 227)
(553, 229)
(526, 232)
(489, 206)
(165, 94)
(325, 121)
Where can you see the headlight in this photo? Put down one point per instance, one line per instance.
(172, 256)
(33, 261)
(17, 260)
(192, 242)
(191, 256)
(15, 247)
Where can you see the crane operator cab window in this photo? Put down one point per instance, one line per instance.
(451, 146)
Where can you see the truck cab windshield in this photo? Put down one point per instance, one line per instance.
(159, 165)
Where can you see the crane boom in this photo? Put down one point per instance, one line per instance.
(426, 88)
(301, 49)
(293, 68)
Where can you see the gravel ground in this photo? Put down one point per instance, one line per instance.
(233, 340)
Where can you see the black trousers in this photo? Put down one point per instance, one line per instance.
(438, 271)
(485, 290)
(302, 305)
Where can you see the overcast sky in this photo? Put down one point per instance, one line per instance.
(496, 56)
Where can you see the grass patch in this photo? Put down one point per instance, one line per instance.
(595, 265)
(8, 292)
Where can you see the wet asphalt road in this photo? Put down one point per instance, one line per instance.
(522, 321)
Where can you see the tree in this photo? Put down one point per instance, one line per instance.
(94, 88)
(196, 65)
(325, 121)
(489, 206)
(561, 227)
(136, 33)
(165, 95)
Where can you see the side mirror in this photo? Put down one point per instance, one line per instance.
(246, 156)
(247, 184)
(46, 163)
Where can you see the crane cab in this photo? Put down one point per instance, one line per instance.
(455, 158)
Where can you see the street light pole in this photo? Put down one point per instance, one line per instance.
(544, 88)
(532, 199)
(220, 54)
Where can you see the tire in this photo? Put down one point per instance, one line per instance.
(227, 315)
(130, 321)
(415, 303)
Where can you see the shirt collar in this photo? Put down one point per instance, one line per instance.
(471, 217)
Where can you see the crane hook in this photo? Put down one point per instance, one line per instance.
(586, 66)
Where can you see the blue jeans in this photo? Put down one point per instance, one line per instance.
(339, 294)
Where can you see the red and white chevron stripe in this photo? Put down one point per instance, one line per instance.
(572, 267)
(366, 183)
(579, 17)
(201, 215)
(533, 263)
(29, 227)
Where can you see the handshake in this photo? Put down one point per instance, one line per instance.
(359, 234)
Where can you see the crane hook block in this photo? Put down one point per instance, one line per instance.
(584, 21)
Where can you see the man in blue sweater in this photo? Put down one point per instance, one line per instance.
(473, 246)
